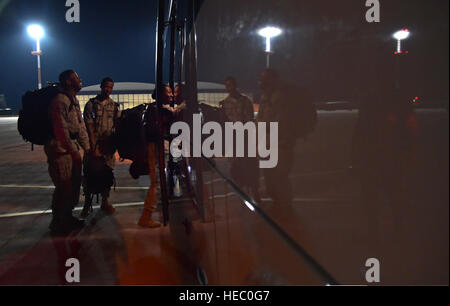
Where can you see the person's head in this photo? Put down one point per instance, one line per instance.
(107, 87)
(269, 79)
(230, 84)
(178, 93)
(166, 94)
(69, 80)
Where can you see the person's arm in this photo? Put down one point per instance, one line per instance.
(248, 110)
(89, 123)
(180, 107)
(168, 107)
(83, 138)
(59, 117)
(118, 112)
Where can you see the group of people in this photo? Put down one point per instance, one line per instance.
(280, 102)
(92, 131)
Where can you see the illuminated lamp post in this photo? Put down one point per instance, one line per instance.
(37, 32)
(399, 36)
(268, 33)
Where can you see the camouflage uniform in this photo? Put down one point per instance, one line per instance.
(239, 108)
(63, 157)
(278, 107)
(103, 115)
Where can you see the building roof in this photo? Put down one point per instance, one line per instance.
(133, 87)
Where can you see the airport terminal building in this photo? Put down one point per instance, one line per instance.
(129, 95)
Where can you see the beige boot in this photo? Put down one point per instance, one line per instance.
(147, 221)
(151, 198)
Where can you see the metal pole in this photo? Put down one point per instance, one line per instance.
(159, 84)
(192, 78)
(193, 57)
(268, 60)
(38, 51)
(187, 63)
(172, 22)
(181, 54)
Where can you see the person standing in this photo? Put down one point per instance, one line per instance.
(152, 138)
(62, 151)
(100, 116)
(239, 108)
(277, 106)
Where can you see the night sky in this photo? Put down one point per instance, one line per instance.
(324, 45)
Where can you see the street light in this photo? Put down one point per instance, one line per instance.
(37, 32)
(399, 36)
(268, 33)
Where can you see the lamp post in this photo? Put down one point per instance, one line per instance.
(268, 33)
(399, 36)
(37, 32)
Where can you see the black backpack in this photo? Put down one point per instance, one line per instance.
(34, 122)
(151, 128)
(98, 176)
(129, 136)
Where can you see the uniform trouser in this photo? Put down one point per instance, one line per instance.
(66, 176)
(277, 181)
(110, 161)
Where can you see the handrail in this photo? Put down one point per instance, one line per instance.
(160, 26)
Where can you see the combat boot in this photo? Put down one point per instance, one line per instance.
(63, 225)
(107, 208)
(147, 221)
(87, 208)
(56, 226)
(74, 223)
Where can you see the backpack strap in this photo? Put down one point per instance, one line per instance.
(72, 102)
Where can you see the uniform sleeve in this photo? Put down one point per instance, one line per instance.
(59, 117)
(118, 111)
(88, 114)
(248, 110)
(83, 138)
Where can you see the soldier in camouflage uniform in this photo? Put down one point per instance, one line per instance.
(63, 156)
(239, 108)
(277, 106)
(100, 116)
